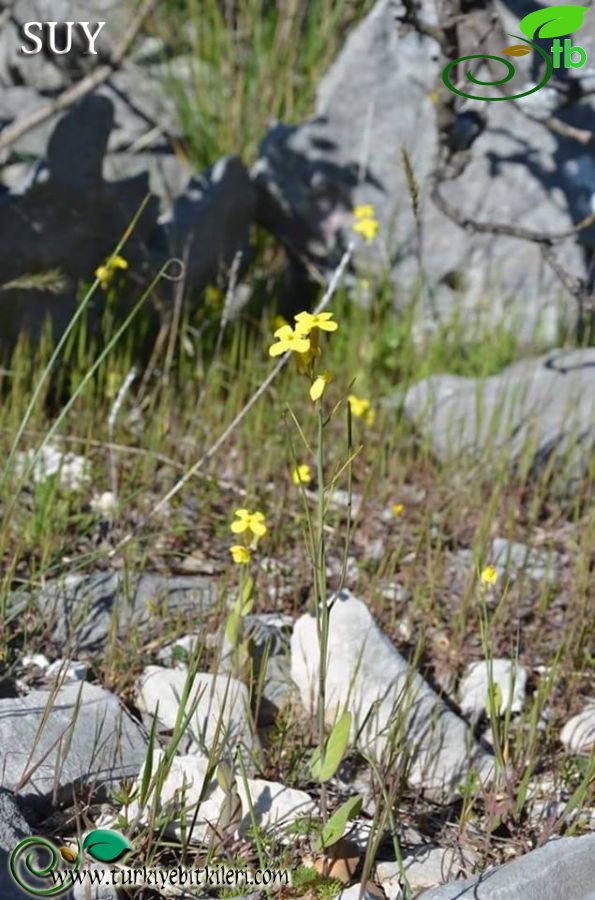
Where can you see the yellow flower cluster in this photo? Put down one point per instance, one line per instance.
(105, 274)
(366, 222)
(489, 576)
(252, 526)
(301, 475)
(303, 339)
(361, 409)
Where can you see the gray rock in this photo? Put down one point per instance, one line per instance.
(277, 690)
(425, 867)
(209, 221)
(63, 670)
(47, 72)
(218, 708)
(13, 828)
(391, 704)
(13, 825)
(269, 805)
(67, 223)
(80, 610)
(376, 99)
(87, 737)
(513, 560)
(354, 892)
(510, 679)
(578, 734)
(532, 411)
(168, 177)
(565, 867)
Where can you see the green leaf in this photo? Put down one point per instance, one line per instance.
(247, 601)
(180, 654)
(106, 845)
(233, 626)
(225, 776)
(555, 21)
(335, 827)
(324, 768)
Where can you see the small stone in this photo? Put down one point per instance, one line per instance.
(510, 679)
(35, 661)
(513, 559)
(267, 804)
(179, 652)
(426, 867)
(578, 735)
(105, 504)
(67, 670)
(72, 470)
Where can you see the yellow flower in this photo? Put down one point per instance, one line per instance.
(318, 386)
(364, 211)
(397, 509)
(301, 475)
(247, 521)
(306, 321)
(360, 407)
(489, 575)
(368, 228)
(370, 417)
(289, 340)
(240, 554)
(213, 295)
(105, 274)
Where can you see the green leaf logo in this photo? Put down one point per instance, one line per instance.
(556, 21)
(106, 845)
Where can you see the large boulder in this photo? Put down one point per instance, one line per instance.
(564, 867)
(391, 705)
(379, 98)
(532, 411)
(51, 742)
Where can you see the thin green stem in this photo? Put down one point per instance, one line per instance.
(322, 614)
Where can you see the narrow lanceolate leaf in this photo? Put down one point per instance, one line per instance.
(106, 845)
(334, 749)
(335, 827)
(555, 21)
(516, 50)
(247, 597)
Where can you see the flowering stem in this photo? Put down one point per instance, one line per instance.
(322, 613)
(263, 387)
(493, 708)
